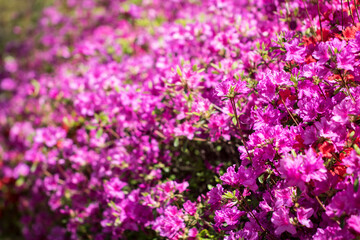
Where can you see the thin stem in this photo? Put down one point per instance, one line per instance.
(273, 165)
(112, 132)
(347, 88)
(238, 125)
(322, 93)
(318, 8)
(357, 13)
(297, 124)
(307, 13)
(248, 210)
(352, 17)
(160, 134)
(199, 139)
(323, 207)
(336, 157)
(342, 15)
(321, 204)
(62, 171)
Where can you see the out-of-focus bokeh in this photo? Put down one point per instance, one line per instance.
(17, 17)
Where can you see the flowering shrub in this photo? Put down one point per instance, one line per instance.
(214, 119)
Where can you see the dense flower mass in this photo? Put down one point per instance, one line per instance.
(183, 119)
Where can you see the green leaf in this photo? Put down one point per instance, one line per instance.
(20, 181)
(356, 185)
(337, 90)
(342, 221)
(34, 166)
(261, 178)
(178, 70)
(229, 195)
(90, 127)
(117, 89)
(357, 149)
(36, 85)
(234, 120)
(352, 134)
(215, 66)
(176, 142)
(99, 133)
(204, 235)
(298, 192)
(296, 11)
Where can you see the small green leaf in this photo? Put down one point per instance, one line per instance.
(296, 11)
(178, 70)
(90, 127)
(215, 66)
(20, 181)
(357, 149)
(229, 195)
(337, 90)
(342, 221)
(356, 185)
(234, 120)
(36, 86)
(261, 178)
(298, 192)
(34, 166)
(352, 134)
(176, 142)
(117, 89)
(99, 133)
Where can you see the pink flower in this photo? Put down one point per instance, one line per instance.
(321, 53)
(289, 167)
(170, 224)
(303, 216)
(230, 88)
(192, 233)
(113, 188)
(190, 207)
(215, 195)
(228, 215)
(313, 167)
(281, 220)
(244, 176)
(294, 52)
(353, 163)
(354, 223)
(345, 60)
(186, 129)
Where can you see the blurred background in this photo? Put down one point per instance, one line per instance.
(17, 17)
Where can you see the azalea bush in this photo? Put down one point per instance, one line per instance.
(183, 119)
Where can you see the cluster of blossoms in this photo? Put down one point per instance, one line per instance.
(183, 119)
